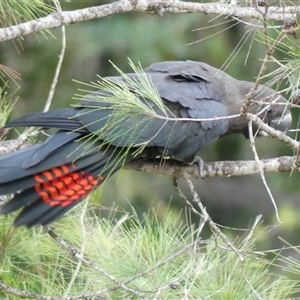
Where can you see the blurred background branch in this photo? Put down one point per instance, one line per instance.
(159, 7)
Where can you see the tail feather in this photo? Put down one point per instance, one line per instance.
(57, 183)
(58, 191)
(54, 142)
(17, 185)
(70, 154)
(50, 178)
(31, 177)
(20, 200)
(59, 118)
(39, 213)
(48, 201)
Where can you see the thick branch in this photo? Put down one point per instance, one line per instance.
(213, 169)
(13, 145)
(160, 7)
(177, 169)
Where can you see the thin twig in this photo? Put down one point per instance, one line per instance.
(269, 53)
(21, 293)
(261, 171)
(185, 200)
(211, 223)
(293, 144)
(246, 241)
(59, 63)
(251, 230)
(73, 252)
(157, 265)
(191, 207)
(82, 249)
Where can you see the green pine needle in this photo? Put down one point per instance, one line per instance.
(13, 12)
(124, 99)
(155, 258)
(134, 101)
(287, 70)
(7, 102)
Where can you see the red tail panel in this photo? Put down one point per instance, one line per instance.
(61, 186)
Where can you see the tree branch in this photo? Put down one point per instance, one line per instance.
(160, 7)
(293, 144)
(177, 169)
(213, 169)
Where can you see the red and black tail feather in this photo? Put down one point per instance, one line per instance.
(68, 158)
(51, 199)
(53, 192)
(48, 200)
(59, 181)
(20, 200)
(42, 214)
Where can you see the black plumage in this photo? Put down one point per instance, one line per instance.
(54, 176)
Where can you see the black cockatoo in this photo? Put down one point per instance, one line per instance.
(48, 179)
